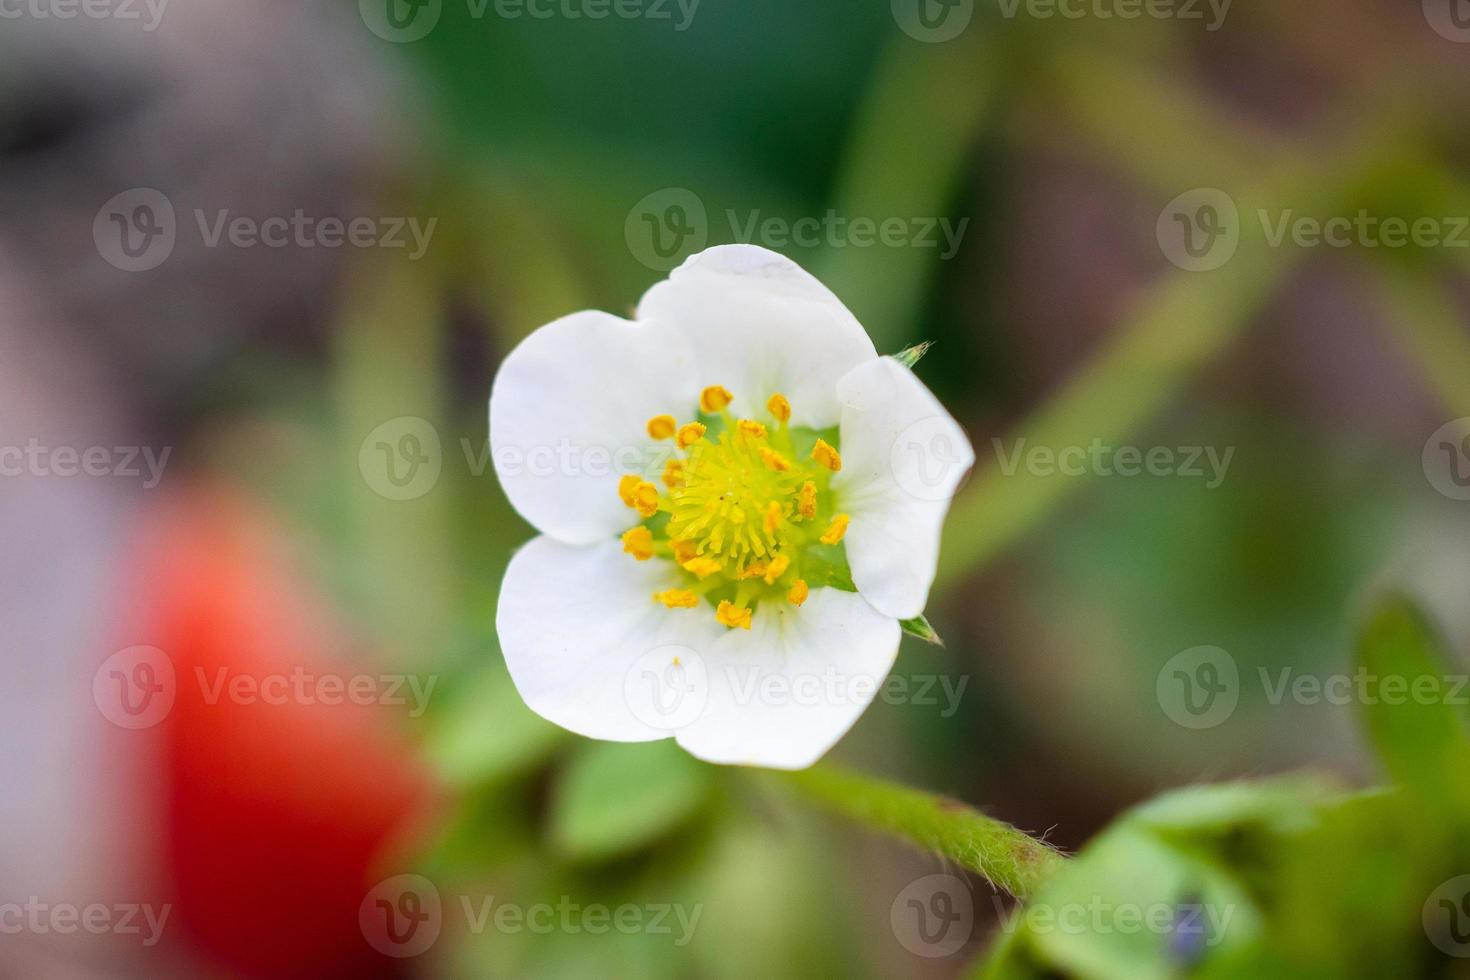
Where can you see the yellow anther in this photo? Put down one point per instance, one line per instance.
(798, 593)
(826, 455)
(662, 426)
(806, 500)
(638, 542)
(627, 487)
(689, 434)
(714, 399)
(774, 461)
(777, 568)
(684, 551)
(779, 407)
(755, 569)
(835, 530)
(732, 615)
(673, 473)
(773, 515)
(703, 567)
(645, 499)
(677, 599)
(751, 429)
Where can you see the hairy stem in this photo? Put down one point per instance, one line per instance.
(1004, 856)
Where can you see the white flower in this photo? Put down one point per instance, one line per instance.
(705, 478)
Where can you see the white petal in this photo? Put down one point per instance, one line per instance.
(782, 693)
(760, 324)
(568, 418)
(902, 458)
(574, 626)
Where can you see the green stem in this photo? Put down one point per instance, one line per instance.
(1003, 855)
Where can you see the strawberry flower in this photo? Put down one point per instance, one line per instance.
(738, 501)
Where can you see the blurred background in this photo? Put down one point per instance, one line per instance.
(259, 262)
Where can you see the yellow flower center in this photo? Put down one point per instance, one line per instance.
(744, 502)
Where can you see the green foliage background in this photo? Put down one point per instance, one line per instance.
(1059, 599)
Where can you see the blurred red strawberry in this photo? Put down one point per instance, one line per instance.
(277, 815)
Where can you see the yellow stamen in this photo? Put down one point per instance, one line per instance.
(779, 407)
(645, 499)
(773, 515)
(673, 473)
(835, 530)
(689, 434)
(714, 399)
(826, 455)
(778, 567)
(774, 461)
(703, 567)
(677, 599)
(684, 552)
(755, 569)
(627, 486)
(638, 542)
(806, 500)
(662, 426)
(751, 429)
(732, 615)
(798, 592)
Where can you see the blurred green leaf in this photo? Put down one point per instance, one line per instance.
(487, 734)
(1407, 707)
(614, 797)
(1133, 908)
